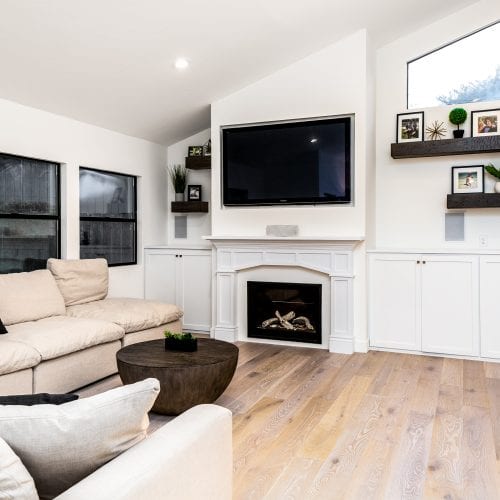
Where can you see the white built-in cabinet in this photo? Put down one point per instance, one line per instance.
(182, 277)
(424, 302)
(490, 302)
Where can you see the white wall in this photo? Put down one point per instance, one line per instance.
(198, 224)
(411, 194)
(334, 81)
(33, 133)
(329, 82)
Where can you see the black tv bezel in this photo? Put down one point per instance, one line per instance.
(348, 120)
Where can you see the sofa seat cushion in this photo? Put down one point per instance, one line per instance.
(16, 356)
(131, 314)
(60, 335)
(29, 296)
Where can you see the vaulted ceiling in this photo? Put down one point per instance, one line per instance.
(110, 62)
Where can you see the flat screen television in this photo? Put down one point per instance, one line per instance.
(297, 162)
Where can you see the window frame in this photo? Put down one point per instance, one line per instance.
(432, 52)
(113, 219)
(57, 217)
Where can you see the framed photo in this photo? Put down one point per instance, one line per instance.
(195, 151)
(410, 127)
(485, 122)
(194, 192)
(467, 179)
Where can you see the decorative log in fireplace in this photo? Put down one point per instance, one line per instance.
(284, 311)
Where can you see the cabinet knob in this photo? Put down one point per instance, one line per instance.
(423, 262)
(418, 262)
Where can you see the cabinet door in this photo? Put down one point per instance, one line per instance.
(196, 290)
(450, 304)
(490, 300)
(394, 283)
(162, 277)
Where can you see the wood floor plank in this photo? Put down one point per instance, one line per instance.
(475, 393)
(478, 463)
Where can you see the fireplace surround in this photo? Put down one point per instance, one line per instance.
(233, 257)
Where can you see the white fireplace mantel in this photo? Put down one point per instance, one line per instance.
(330, 256)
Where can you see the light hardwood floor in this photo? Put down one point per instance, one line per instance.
(309, 424)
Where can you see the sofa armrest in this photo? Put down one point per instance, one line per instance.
(188, 458)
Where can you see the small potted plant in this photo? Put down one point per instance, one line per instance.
(178, 176)
(180, 342)
(457, 117)
(494, 172)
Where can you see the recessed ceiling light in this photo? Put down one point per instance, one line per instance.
(314, 139)
(181, 63)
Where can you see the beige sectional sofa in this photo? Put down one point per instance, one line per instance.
(63, 331)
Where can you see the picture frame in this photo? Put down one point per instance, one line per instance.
(485, 122)
(195, 151)
(467, 179)
(194, 192)
(410, 127)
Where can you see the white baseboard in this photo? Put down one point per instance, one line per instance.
(341, 345)
(361, 345)
(226, 334)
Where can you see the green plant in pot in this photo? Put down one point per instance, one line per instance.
(178, 177)
(457, 117)
(494, 172)
(180, 342)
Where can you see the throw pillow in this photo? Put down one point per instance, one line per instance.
(2, 327)
(38, 399)
(15, 481)
(60, 445)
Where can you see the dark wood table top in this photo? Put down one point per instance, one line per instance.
(153, 354)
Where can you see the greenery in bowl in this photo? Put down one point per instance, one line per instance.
(493, 171)
(178, 176)
(178, 336)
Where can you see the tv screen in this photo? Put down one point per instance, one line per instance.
(287, 163)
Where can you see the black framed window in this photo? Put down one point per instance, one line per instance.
(30, 219)
(108, 216)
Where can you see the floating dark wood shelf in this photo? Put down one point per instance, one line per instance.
(473, 200)
(446, 147)
(199, 162)
(190, 206)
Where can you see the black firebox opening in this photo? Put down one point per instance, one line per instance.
(284, 311)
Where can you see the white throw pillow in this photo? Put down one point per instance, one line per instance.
(29, 296)
(80, 281)
(60, 445)
(15, 481)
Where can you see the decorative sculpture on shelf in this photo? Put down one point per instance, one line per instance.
(435, 130)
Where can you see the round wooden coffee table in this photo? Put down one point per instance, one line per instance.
(186, 378)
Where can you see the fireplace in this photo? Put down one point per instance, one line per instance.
(284, 311)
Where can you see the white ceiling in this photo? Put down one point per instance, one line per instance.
(110, 62)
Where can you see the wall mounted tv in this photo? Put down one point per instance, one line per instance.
(296, 162)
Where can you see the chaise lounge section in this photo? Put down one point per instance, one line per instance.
(63, 331)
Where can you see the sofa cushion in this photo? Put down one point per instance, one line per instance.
(80, 281)
(60, 335)
(60, 445)
(15, 480)
(131, 314)
(29, 296)
(15, 356)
